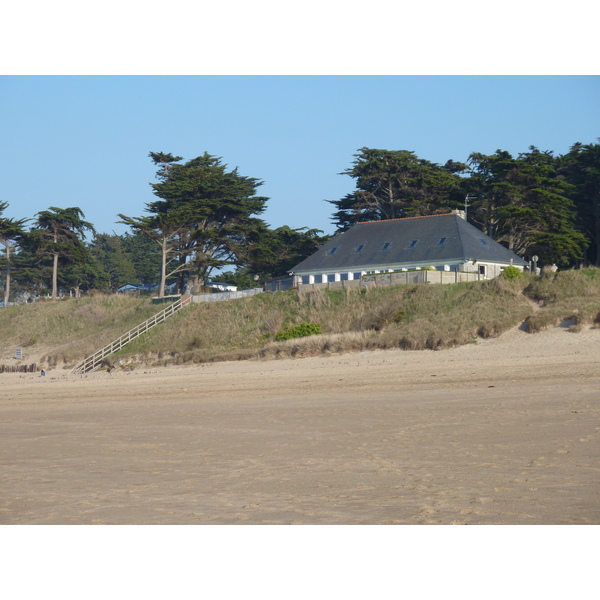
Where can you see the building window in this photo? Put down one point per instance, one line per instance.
(482, 270)
(412, 243)
(360, 248)
(386, 245)
(442, 241)
(485, 242)
(333, 250)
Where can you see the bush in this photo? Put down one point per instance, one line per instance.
(301, 330)
(511, 272)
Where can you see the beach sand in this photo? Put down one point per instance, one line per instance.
(504, 431)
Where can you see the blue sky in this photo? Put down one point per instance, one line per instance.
(84, 140)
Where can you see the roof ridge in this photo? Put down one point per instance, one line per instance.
(407, 218)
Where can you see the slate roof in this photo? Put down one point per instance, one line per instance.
(440, 239)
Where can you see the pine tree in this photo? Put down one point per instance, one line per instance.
(12, 234)
(581, 168)
(58, 234)
(202, 212)
(393, 184)
(522, 203)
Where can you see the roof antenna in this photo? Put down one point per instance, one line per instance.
(467, 198)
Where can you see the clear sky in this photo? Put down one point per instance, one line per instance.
(84, 140)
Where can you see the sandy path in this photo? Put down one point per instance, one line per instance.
(503, 431)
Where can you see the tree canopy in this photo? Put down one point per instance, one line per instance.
(58, 234)
(203, 216)
(273, 252)
(581, 168)
(534, 204)
(523, 203)
(392, 184)
(12, 233)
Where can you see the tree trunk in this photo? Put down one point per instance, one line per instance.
(7, 279)
(55, 277)
(195, 283)
(510, 238)
(597, 232)
(163, 269)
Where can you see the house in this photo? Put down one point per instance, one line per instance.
(442, 242)
(145, 287)
(222, 287)
(137, 287)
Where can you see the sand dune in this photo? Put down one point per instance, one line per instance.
(505, 431)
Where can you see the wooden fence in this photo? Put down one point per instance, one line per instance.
(18, 368)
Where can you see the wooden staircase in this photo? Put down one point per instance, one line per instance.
(91, 363)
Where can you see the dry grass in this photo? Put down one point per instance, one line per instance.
(71, 329)
(567, 298)
(411, 317)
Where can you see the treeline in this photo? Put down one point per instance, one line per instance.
(205, 218)
(52, 255)
(534, 204)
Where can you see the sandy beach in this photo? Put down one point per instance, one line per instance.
(504, 431)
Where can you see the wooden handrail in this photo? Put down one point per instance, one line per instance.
(92, 362)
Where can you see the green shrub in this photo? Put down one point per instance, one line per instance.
(511, 272)
(301, 330)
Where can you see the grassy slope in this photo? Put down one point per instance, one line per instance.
(413, 317)
(567, 296)
(66, 331)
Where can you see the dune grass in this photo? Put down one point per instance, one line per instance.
(414, 317)
(67, 330)
(409, 317)
(570, 298)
